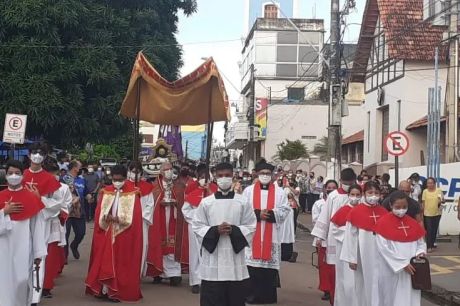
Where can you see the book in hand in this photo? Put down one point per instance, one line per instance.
(421, 280)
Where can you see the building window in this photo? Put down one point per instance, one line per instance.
(296, 94)
(147, 138)
(385, 130)
(308, 137)
(271, 11)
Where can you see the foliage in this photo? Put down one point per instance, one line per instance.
(291, 150)
(321, 148)
(66, 63)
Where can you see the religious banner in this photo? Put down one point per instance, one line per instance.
(261, 117)
(173, 136)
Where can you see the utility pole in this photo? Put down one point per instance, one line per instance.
(452, 84)
(335, 87)
(251, 119)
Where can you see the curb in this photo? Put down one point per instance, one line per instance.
(443, 296)
(437, 294)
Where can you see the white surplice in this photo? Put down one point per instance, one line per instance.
(148, 205)
(53, 204)
(287, 230)
(281, 212)
(395, 284)
(224, 264)
(194, 245)
(57, 230)
(323, 227)
(20, 243)
(315, 213)
(345, 286)
(360, 247)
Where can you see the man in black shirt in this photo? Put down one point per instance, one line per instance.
(414, 209)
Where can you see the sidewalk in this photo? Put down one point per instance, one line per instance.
(444, 262)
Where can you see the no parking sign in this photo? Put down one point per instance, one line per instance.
(396, 143)
(15, 128)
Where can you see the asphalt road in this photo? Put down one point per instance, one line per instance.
(298, 280)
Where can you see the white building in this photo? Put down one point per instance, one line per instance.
(395, 62)
(283, 92)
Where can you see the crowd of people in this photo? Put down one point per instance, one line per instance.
(228, 229)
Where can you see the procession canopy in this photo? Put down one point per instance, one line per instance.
(197, 98)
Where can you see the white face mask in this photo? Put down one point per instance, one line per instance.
(202, 182)
(345, 187)
(99, 169)
(373, 200)
(168, 174)
(265, 179)
(57, 178)
(108, 172)
(90, 170)
(174, 177)
(354, 200)
(132, 176)
(118, 185)
(225, 183)
(14, 179)
(37, 158)
(400, 212)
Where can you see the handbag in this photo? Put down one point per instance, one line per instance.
(421, 280)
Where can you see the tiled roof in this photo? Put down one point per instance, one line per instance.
(422, 122)
(357, 137)
(407, 35)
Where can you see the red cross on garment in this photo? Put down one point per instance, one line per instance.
(404, 228)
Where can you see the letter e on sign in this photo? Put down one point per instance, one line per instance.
(396, 143)
(15, 128)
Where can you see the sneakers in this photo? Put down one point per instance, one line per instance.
(293, 257)
(157, 280)
(175, 281)
(46, 293)
(326, 296)
(74, 250)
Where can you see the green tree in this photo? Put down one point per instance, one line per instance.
(291, 150)
(321, 148)
(66, 64)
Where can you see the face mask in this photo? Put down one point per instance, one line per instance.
(168, 174)
(353, 200)
(37, 158)
(329, 191)
(400, 212)
(108, 172)
(265, 179)
(99, 169)
(132, 176)
(14, 179)
(90, 170)
(224, 183)
(174, 177)
(345, 187)
(57, 178)
(373, 200)
(118, 184)
(202, 182)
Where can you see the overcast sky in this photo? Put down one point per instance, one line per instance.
(216, 30)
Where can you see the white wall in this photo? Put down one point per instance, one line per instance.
(412, 90)
(450, 184)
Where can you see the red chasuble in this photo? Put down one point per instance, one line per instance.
(404, 229)
(45, 182)
(341, 216)
(32, 204)
(194, 193)
(159, 243)
(365, 217)
(263, 249)
(116, 251)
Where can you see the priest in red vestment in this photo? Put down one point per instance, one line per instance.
(167, 254)
(47, 187)
(116, 254)
(195, 192)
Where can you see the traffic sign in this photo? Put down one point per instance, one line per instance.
(15, 128)
(396, 143)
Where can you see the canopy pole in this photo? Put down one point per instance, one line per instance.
(210, 129)
(137, 122)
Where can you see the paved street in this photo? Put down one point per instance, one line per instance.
(299, 283)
